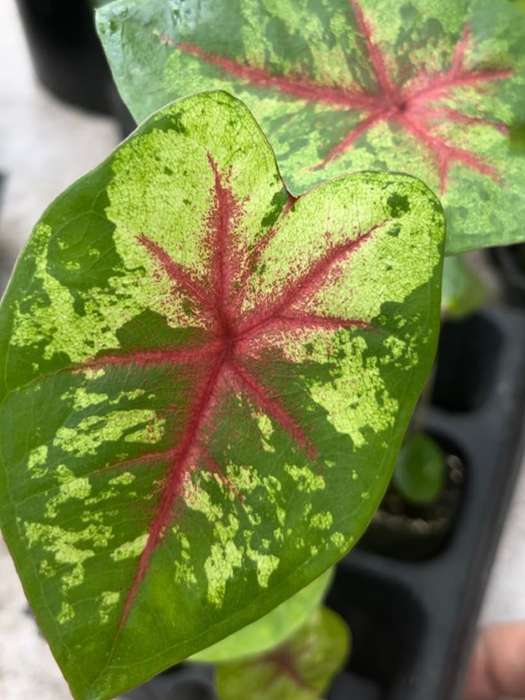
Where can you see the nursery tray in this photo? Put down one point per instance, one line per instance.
(509, 262)
(413, 622)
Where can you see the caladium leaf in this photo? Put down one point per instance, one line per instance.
(203, 385)
(432, 88)
(462, 290)
(272, 629)
(300, 669)
(420, 471)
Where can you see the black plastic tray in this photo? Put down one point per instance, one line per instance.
(509, 262)
(413, 622)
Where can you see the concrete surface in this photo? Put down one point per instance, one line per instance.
(44, 147)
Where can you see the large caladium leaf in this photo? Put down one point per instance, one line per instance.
(203, 384)
(435, 88)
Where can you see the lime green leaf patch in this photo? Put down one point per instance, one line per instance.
(204, 383)
(435, 89)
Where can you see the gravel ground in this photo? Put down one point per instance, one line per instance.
(44, 146)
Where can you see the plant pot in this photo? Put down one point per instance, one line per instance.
(413, 621)
(68, 57)
(409, 531)
(183, 682)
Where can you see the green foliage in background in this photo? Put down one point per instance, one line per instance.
(300, 669)
(420, 471)
(462, 291)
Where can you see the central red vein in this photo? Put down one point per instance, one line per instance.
(312, 280)
(179, 276)
(387, 88)
(224, 359)
(176, 478)
(364, 126)
(459, 53)
(326, 323)
(221, 220)
(273, 408)
(254, 255)
(153, 357)
(293, 86)
(444, 154)
(387, 103)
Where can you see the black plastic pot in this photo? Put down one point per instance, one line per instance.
(66, 52)
(68, 57)
(184, 682)
(416, 531)
(413, 622)
(510, 262)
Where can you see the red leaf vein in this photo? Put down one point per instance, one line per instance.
(224, 361)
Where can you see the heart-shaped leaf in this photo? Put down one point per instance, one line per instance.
(434, 89)
(300, 669)
(203, 384)
(272, 629)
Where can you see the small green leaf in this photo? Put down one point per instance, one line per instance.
(427, 87)
(463, 291)
(272, 629)
(419, 475)
(203, 383)
(301, 669)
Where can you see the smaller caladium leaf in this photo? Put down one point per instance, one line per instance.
(462, 291)
(204, 383)
(434, 88)
(420, 470)
(300, 669)
(272, 629)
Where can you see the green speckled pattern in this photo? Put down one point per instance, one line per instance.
(432, 88)
(204, 383)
